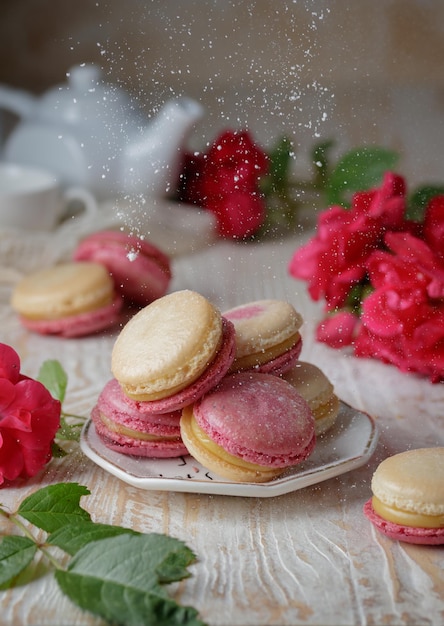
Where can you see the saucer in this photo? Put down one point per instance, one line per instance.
(346, 446)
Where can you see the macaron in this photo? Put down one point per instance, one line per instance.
(140, 270)
(267, 336)
(172, 352)
(408, 496)
(250, 428)
(314, 386)
(70, 300)
(128, 431)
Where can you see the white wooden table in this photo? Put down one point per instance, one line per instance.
(307, 557)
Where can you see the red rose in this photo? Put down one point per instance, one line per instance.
(335, 258)
(29, 420)
(225, 180)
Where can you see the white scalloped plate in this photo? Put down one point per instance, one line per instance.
(348, 445)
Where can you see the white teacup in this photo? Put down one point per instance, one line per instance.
(32, 199)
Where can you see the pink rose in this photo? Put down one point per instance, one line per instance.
(403, 319)
(29, 420)
(339, 330)
(334, 260)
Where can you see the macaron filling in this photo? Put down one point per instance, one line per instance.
(143, 435)
(265, 355)
(406, 518)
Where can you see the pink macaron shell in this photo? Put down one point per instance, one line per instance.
(141, 272)
(79, 325)
(162, 448)
(407, 534)
(248, 414)
(112, 404)
(209, 379)
(282, 363)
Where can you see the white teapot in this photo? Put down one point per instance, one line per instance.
(91, 134)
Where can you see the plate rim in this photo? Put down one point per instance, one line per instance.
(280, 486)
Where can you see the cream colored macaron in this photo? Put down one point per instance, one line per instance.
(408, 488)
(167, 346)
(62, 291)
(317, 390)
(267, 335)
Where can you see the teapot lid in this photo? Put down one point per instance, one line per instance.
(85, 99)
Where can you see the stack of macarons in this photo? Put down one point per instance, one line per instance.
(167, 356)
(174, 364)
(408, 497)
(109, 269)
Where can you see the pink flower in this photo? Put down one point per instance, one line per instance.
(335, 258)
(396, 268)
(225, 180)
(434, 226)
(29, 420)
(338, 330)
(403, 319)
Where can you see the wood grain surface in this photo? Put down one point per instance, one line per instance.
(307, 557)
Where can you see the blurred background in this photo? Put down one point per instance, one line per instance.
(359, 72)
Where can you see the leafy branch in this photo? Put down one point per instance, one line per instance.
(113, 572)
(332, 182)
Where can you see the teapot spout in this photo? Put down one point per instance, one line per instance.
(152, 160)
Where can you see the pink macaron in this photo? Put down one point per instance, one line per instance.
(128, 431)
(141, 271)
(250, 428)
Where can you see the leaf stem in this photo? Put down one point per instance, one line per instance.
(17, 521)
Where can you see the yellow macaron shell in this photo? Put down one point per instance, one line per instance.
(264, 329)
(218, 460)
(63, 290)
(166, 346)
(317, 390)
(408, 488)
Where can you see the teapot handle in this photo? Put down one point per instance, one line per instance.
(17, 101)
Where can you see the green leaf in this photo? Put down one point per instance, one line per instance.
(55, 506)
(72, 538)
(54, 378)
(358, 170)
(69, 432)
(16, 553)
(118, 579)
(419, 200)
